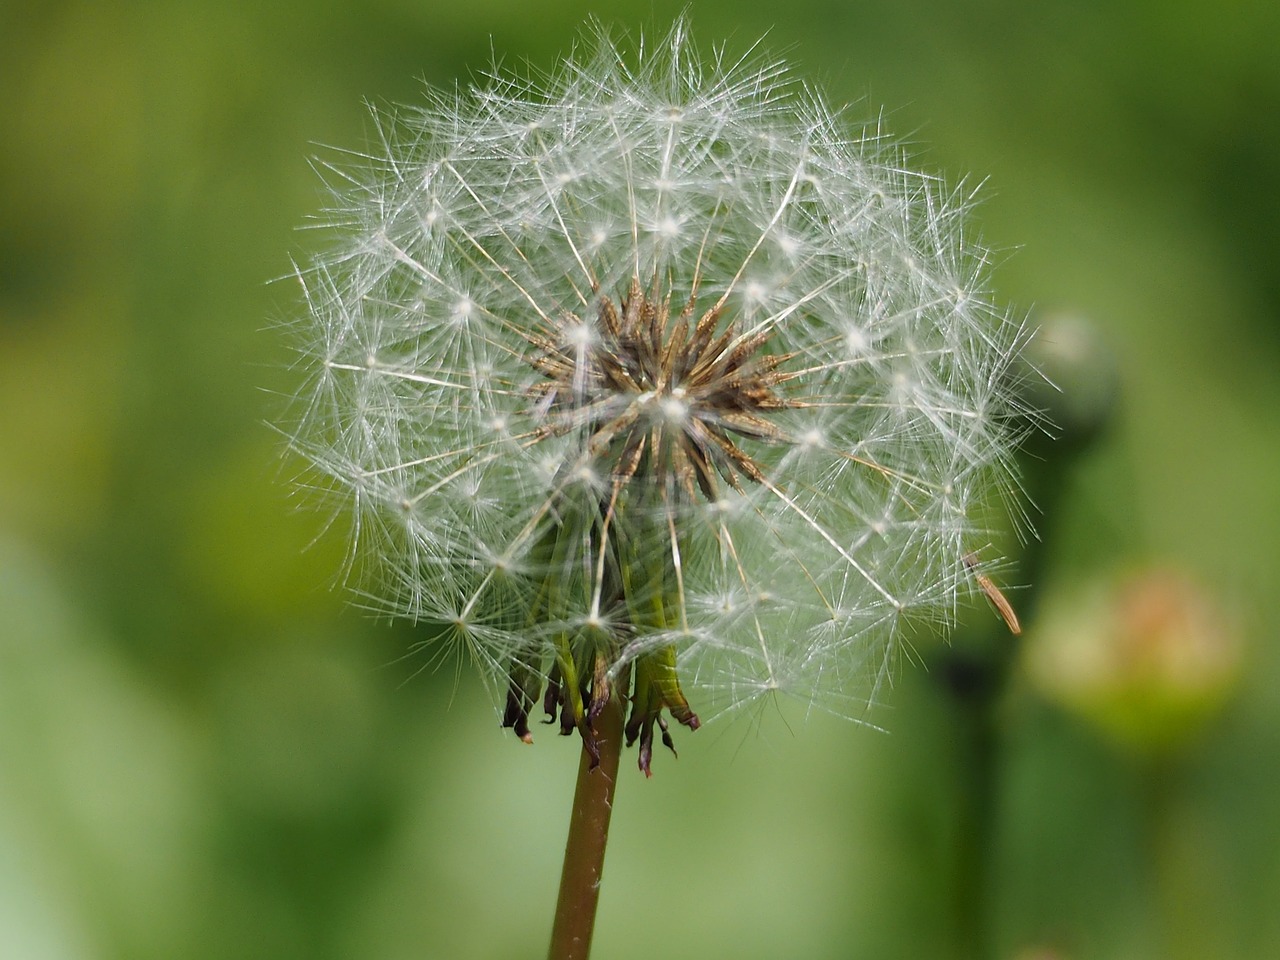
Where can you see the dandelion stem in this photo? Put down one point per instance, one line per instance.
(588, 833)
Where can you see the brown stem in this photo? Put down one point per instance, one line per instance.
(588, 833)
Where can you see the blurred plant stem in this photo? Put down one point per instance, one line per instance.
(1077, 395)
(978, 738)
(1158, 783)
(588, 834)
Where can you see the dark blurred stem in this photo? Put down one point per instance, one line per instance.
(976, 677)
(976, 674)
(975, 820)
(588, 833)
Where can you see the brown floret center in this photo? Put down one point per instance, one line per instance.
(663, 393)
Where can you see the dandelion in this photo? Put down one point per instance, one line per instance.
(652, 382)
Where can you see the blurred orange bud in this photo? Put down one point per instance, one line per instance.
(1148, 657)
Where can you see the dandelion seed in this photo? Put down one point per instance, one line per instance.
(649, 375)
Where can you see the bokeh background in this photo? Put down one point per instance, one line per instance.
(204, 753)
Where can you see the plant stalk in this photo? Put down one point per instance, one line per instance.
(588, 833)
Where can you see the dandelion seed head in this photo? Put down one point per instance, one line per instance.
(656, 355)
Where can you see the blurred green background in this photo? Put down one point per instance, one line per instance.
(205, 754)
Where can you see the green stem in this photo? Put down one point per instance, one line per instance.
(588, 833)
(975, 842)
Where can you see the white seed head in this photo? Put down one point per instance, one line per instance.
(670, 309)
